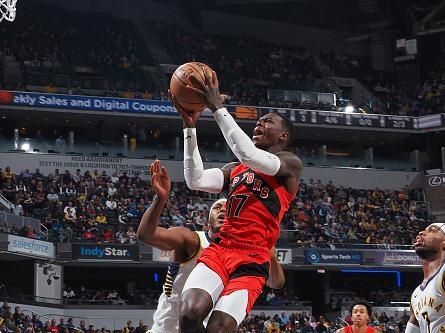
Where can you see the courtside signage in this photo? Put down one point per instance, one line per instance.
(105, 252)
(284, 256)
(397, 258)
(333, 257)
(32, 247)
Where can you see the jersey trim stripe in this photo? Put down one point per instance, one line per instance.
(443, 284)
(252, 269)
(423, 286)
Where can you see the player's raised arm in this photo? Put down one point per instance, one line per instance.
(210, 180)
(149, 232)
(239, 142)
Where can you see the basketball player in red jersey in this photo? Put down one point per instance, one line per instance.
(231, 273)
(185, 246)
(360, 312)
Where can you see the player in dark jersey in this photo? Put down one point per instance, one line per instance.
(360, 312)
(261, 188)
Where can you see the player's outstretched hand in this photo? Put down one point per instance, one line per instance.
(189, 118)
(209, 90)
(160, 180)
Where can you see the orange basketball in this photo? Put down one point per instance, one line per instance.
(186, 97)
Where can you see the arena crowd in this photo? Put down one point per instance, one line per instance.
(247, 68)
(97, 207)
(22, 321)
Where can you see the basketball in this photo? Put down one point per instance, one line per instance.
(6, 97)
(186, 97)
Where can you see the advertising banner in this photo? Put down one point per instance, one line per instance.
(332, 257)
(87, 103)
(122, 105)
(397, 258)
(47, 163)
(284, 256)
(434, 186)
(32, 247)
(105, 252)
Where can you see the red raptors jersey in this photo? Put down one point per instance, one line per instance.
(255, 206)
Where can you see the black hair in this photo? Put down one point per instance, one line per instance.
(289, 127)
(365, 304)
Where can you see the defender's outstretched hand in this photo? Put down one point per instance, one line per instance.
(160, 180)
(209, 90)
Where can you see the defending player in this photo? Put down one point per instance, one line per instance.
(231, 272)
(428, 300)
(186, 246)
(360, 312)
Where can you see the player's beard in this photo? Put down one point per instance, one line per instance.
(425, 253)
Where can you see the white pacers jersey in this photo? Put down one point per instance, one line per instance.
(428, 303)
(166, 317)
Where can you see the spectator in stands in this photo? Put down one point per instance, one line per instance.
(18, 208)
(59, 144)
(307, 328)
(17, 313)
(36, 322)
(201, 206)
(141, 328)
(53, 328)
(201, 219)
(82, 326)
(69, 212)
(111, 203)
(177, 218)
(3, 293)
(270, 296)
(91, 329)
(131, 236)
(69, 293)
(9, 322)
(4, 309)
(101, 218)
(8, 174)
(112, 295)
(82, 294)
(61, 325)
(128, 328)
(108, 235)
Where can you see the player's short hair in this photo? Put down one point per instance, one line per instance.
(365, 304)
(221, 200)
(287, 124)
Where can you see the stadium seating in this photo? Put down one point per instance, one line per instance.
(99, 207)
(93, 53)
(18, 321)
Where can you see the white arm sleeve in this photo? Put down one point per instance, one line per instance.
(210, 180)
(243, 147)
(411, 328)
